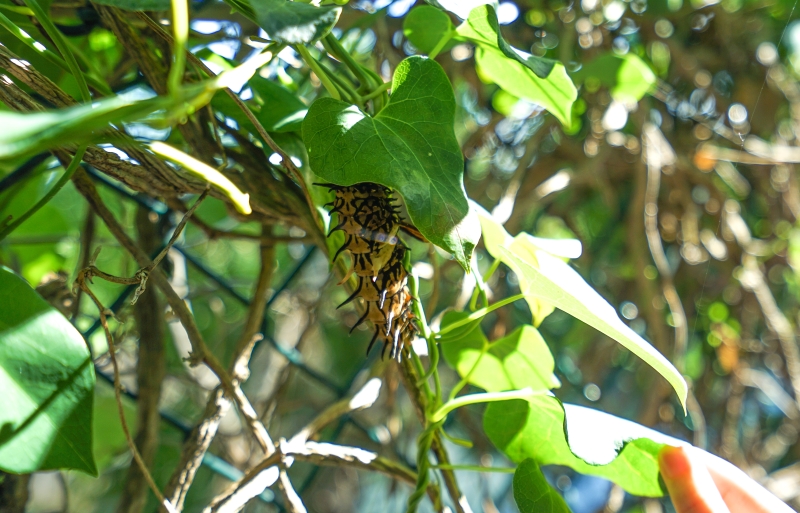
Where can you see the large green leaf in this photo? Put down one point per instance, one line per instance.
(518, 360)
(281, 110)
(627, 76)
(542, 81)
(589, 441)
(532, 492)
(545, 277)
(295, 22)
(425, 26)
(409, 146)
(47, 379)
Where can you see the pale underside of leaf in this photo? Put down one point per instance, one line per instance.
(555, 282)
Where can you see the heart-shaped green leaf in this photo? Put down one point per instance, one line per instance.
(295, 22)
(409, 146)
(542, 81)
(589, 441)
(532, 492)
(47, 379)
(545, 277)
(518, 360)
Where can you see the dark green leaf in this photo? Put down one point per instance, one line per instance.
(542, 81)
(533, 493)
(426, 26)
(47, 379)
(281, 111)
(409, 146)
(518, 360)
(627, 76)
(589, 441)
(294, 22)
(138, 5)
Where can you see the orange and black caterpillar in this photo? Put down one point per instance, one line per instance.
(370, 219)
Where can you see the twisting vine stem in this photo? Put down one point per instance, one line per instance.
(424, 443)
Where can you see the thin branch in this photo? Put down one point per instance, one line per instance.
(198, 443)
(145, 271)
(200, 352)
(196, 446)
(118, 396)
(150, 372)
(266, 472)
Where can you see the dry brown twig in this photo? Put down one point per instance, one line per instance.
(81, 282)
(85, 275)
(268, 471)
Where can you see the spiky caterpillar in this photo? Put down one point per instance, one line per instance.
(370, 219)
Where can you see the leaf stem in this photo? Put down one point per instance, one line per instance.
(488, 397)
(480, 289)
(433, 349)
(335, 47)
(458, 441)
(474, 316)
(180, 26)
(476, 468)
(319, 71)
(73, 165)
(443, 41)
(378, 91)
(344, 86)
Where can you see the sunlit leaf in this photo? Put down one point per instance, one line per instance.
(409, 146)
(47, 379)
(532, 492)
(545, 277)
(518, 360)
(542, 81)
(483, 29)
(589, 441)
(295, 22)
(627, 76)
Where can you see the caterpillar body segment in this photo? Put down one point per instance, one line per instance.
(370, 218)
